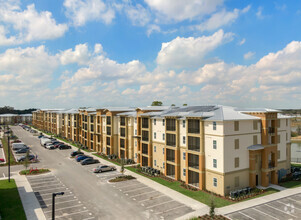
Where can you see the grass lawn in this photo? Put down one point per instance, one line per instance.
(10, 202)
(105, 158)
(267, 192)
(200, 196)
(291, 184)
(296, 165)
(5, 148)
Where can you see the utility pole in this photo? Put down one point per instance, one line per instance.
(8, 148)
(53, 203)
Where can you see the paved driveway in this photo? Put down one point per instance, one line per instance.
(281, 209)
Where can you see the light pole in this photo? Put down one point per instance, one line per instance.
(8, 147)
(53, 202)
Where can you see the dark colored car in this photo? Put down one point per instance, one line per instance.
(1, 160)
(58, 144)
(75, 153)
(40, 136)
(30, 157)
(89, 160)
(83, 157)
(22, 151)
(64, 146)
(103, 168)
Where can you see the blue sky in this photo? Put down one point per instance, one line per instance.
(71, 53)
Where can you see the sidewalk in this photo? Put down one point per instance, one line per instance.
(32, 208)
(258, 201)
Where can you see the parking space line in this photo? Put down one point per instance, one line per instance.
(182, 205)
(89, 218)
(62, 216)
(64, 208)
(63, 202)
(42, 183)
(152, 198)
(158, 204)
(142, 194)
(42, 180)
(293, 199)
(280, 210)
(135, 189)
(50, 189)
(48, 186)
(265, 213)
(286, 204)
(246, 215)
(56, 198)
(128, 186)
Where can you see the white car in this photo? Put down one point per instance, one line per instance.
(49, 146)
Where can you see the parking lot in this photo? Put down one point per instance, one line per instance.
(285, 208)
(67, 206)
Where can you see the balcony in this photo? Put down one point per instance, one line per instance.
(194, 143)
(171, 140)
(193, 126)
(122, 143)
(108, 120)
(109, 141)
(193, 161)
(170, 170)
(145, 136)
(271, 130)
(144, 122)
(122, 121)
(170, 124)
(109, 131)
(122, 132)
(144, 148)
(271, 165)
(170, 155)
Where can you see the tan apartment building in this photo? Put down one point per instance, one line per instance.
(215, 148)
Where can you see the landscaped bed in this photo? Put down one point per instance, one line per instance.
(208, 217)
(34, 171)
(121, 178)
(199, 195)
(291, 184)
(10, 203)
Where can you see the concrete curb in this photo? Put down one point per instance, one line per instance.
(30, 203)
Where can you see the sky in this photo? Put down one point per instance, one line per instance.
(96, 53)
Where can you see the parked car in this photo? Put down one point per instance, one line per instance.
(89, 160)
(41, 136)
(22, 151)
(80, 158)
(79, 155)
(64, 146)
(75, 153)
(22, 158)
(50, 146)
(2, 160)
(103, 168)
(18, 146)
(16, 141)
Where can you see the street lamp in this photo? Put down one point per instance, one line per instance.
(53, 202)
(8, 147)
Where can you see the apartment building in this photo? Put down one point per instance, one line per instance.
(15, 118)
(215, 148)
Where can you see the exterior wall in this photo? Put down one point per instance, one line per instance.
(158, 155)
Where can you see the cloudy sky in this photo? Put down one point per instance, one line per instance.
(75, 53)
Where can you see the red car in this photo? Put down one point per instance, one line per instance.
(1, 160)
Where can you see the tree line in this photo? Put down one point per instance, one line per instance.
(11, 110)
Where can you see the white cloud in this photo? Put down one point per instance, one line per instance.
(259, 13)
(137, 14)
(79, 55)
(180, 10)
(249, 55)
(221, 18)
(242, 42)
(80, 11)
(152, 28)
(189, 52)
(29, 24)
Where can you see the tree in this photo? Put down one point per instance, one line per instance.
(173, 105)
(26, 161)
(212, 207)
(184, 104)
(157, 103)
(122, 166)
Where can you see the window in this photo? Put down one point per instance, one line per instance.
(163, 150)
(135, 143)
(255, 125)
(214, 144)
(155, 135)
(255, 139)
(155, 162)
(155, 149)
(184, 140)
(236, 181)
(163, 137)
(155, 121)
(163, 122)
(278, 139)
(184, 123)
(236, 162)
(184, 156)
(135, 155)
(286, 122)
(278, 123)
(214, 163)
(278, 154)
(286, 136)
(135, 131)
(135, 120)
(163, 165)
(236, 143)
(236, 125)
(214, 125)
(184, 172)
(214, 182)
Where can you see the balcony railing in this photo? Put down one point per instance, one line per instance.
(144, 122)
(194, 143)
(108, 120)
(170, 124)
(108, 130)
(122, 132)
(271, 164)
(144, 149)
(145, 135)
(193, 126)
(171, 140)
(122, 143)
(170, 155)
(271, 130)
(122, 121)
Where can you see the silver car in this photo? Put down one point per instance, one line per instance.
(103, 168)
